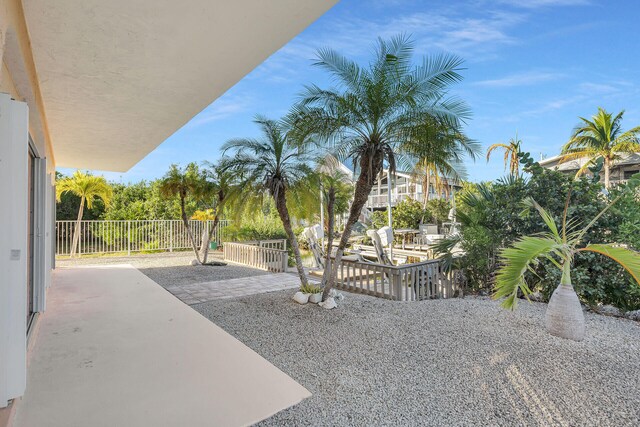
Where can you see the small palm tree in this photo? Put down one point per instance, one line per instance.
(376, 111)
(275, 163)
(601, 137)
(88, 188)
(511, 151)
(564, 317)
(183, 183)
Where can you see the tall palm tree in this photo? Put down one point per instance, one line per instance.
(511, 151)
(88, 188)
(601, 137)
(275, 163)
(224, 190)
(183, 183)
(376, 110)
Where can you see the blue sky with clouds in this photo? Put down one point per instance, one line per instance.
(532, 66)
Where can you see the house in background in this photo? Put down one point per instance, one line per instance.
(623, 168)
(99, 84)
(405, 186)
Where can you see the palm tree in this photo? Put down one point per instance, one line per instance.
(275, 163)
(438, 159)
(564, 317)
(511, 151)
(183, 183)
(376, 110)
(88, 188)
(601, 137)
(223, 188)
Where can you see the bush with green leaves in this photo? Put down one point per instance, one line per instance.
(410, 213)
(493, 217)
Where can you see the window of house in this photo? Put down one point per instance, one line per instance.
(629, 174)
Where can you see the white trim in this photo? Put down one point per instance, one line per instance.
(14, 189)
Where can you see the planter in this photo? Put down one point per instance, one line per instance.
(315, 298)
(301, 298)
(564, 317)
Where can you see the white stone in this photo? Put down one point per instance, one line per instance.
(301, 298)
(329, 303)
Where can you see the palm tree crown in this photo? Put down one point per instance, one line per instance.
(86, 186)
(601, 137)
(511, 151)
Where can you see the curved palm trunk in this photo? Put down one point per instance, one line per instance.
(607, 171)
(363, 187)
(330, 218)
(187, 227)
(564, 317)
(207, 235)
(76, 231)
(281, 206)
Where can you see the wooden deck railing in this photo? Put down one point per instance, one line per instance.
(408, 282)
(262, 255)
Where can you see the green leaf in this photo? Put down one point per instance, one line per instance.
(515, 263)
(627, 258)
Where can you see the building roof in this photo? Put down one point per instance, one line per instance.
(574, 165)
(118, 77)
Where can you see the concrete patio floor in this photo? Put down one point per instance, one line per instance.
(116, 349)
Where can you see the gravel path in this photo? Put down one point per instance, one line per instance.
(170, 269)
(446, 362)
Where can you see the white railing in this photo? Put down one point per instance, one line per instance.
(269, 255)
(132, 236)
(408, 282)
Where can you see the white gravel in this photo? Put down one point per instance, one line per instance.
(170, 269)
(446, 362)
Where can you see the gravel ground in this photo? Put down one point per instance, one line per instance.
(445, 362)
(169, 269)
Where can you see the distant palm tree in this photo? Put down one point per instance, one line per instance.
(88, 188)
(511, 151)
(376, 110)
(275, 163)
(601, 137)
(183, 183)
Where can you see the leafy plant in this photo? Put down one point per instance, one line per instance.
(559, 245)
(310, 289)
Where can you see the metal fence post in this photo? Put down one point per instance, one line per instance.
(128, 238)
(170, 236)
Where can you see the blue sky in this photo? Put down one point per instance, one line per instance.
(532, 66)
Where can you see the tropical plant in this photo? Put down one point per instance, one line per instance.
(560, 245)
(88, 188)
(376, 111)
(185, 182)
(310, 289)
(275, 163)
(601, 137)
(438, 157)
(511, 152)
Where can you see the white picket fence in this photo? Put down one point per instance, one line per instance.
(132, 236)
(407, 282)
(268, 255)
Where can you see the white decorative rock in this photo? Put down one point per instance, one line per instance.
(336, 295)
(315, 298)
(301, 298)
(329, 303)
(195, 262)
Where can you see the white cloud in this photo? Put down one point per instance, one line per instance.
(521, 79)
(534, 4)
(222, 108)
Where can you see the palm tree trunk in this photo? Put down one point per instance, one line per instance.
(564, 317)
(185, 221)
(281, 206)
(607, 167)
(330, 218)
(76, 231)
(207, 236)
(363, 187)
